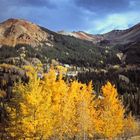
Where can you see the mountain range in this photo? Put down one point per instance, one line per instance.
(114, 37)
(76, 48)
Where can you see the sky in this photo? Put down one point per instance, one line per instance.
(92, 16)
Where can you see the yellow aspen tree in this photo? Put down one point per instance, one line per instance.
(29, 110)
(72, 106)
(61, 103)
(110, 113)
(85, 112)
(51, 108)
(130, 126)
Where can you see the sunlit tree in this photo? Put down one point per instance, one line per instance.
(110, 112)
(49, 107)
(29, 110)
(130, 126)
(84, 107)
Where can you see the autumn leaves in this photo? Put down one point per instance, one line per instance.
(51, 108)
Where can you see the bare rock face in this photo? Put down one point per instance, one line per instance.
(17, 31)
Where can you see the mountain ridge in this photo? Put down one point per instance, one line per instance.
(114, 36)
(77, 48)
(20, 31)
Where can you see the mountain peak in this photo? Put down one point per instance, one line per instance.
(13, 21)
(19, 31)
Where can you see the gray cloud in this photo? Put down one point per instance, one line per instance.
(23, 8)
(104, 6)
(32, 3)
(95, 16)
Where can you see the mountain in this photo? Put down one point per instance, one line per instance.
(126, 41)
(17, 31)
(124, 36)
(114, 37)
(84, 36)
(22, 38)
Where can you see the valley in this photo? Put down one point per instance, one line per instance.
(114, 56)
(29, 51)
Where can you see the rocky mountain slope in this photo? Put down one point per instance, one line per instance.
(114, 37)
(16, 31)
(84, 36)
(124, 36)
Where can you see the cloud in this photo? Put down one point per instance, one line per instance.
(134, 4)
(25, 9)
(104, 6)
(66, 15)
(94, 16)
(115, 21)
(24, 3)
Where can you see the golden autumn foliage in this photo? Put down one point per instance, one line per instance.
(130, 126)
(50, 108)
(29, 111)
(110, 112)
(2, 93)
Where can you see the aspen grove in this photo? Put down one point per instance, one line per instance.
(53, 108)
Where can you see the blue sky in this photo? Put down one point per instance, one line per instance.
(92, 16)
